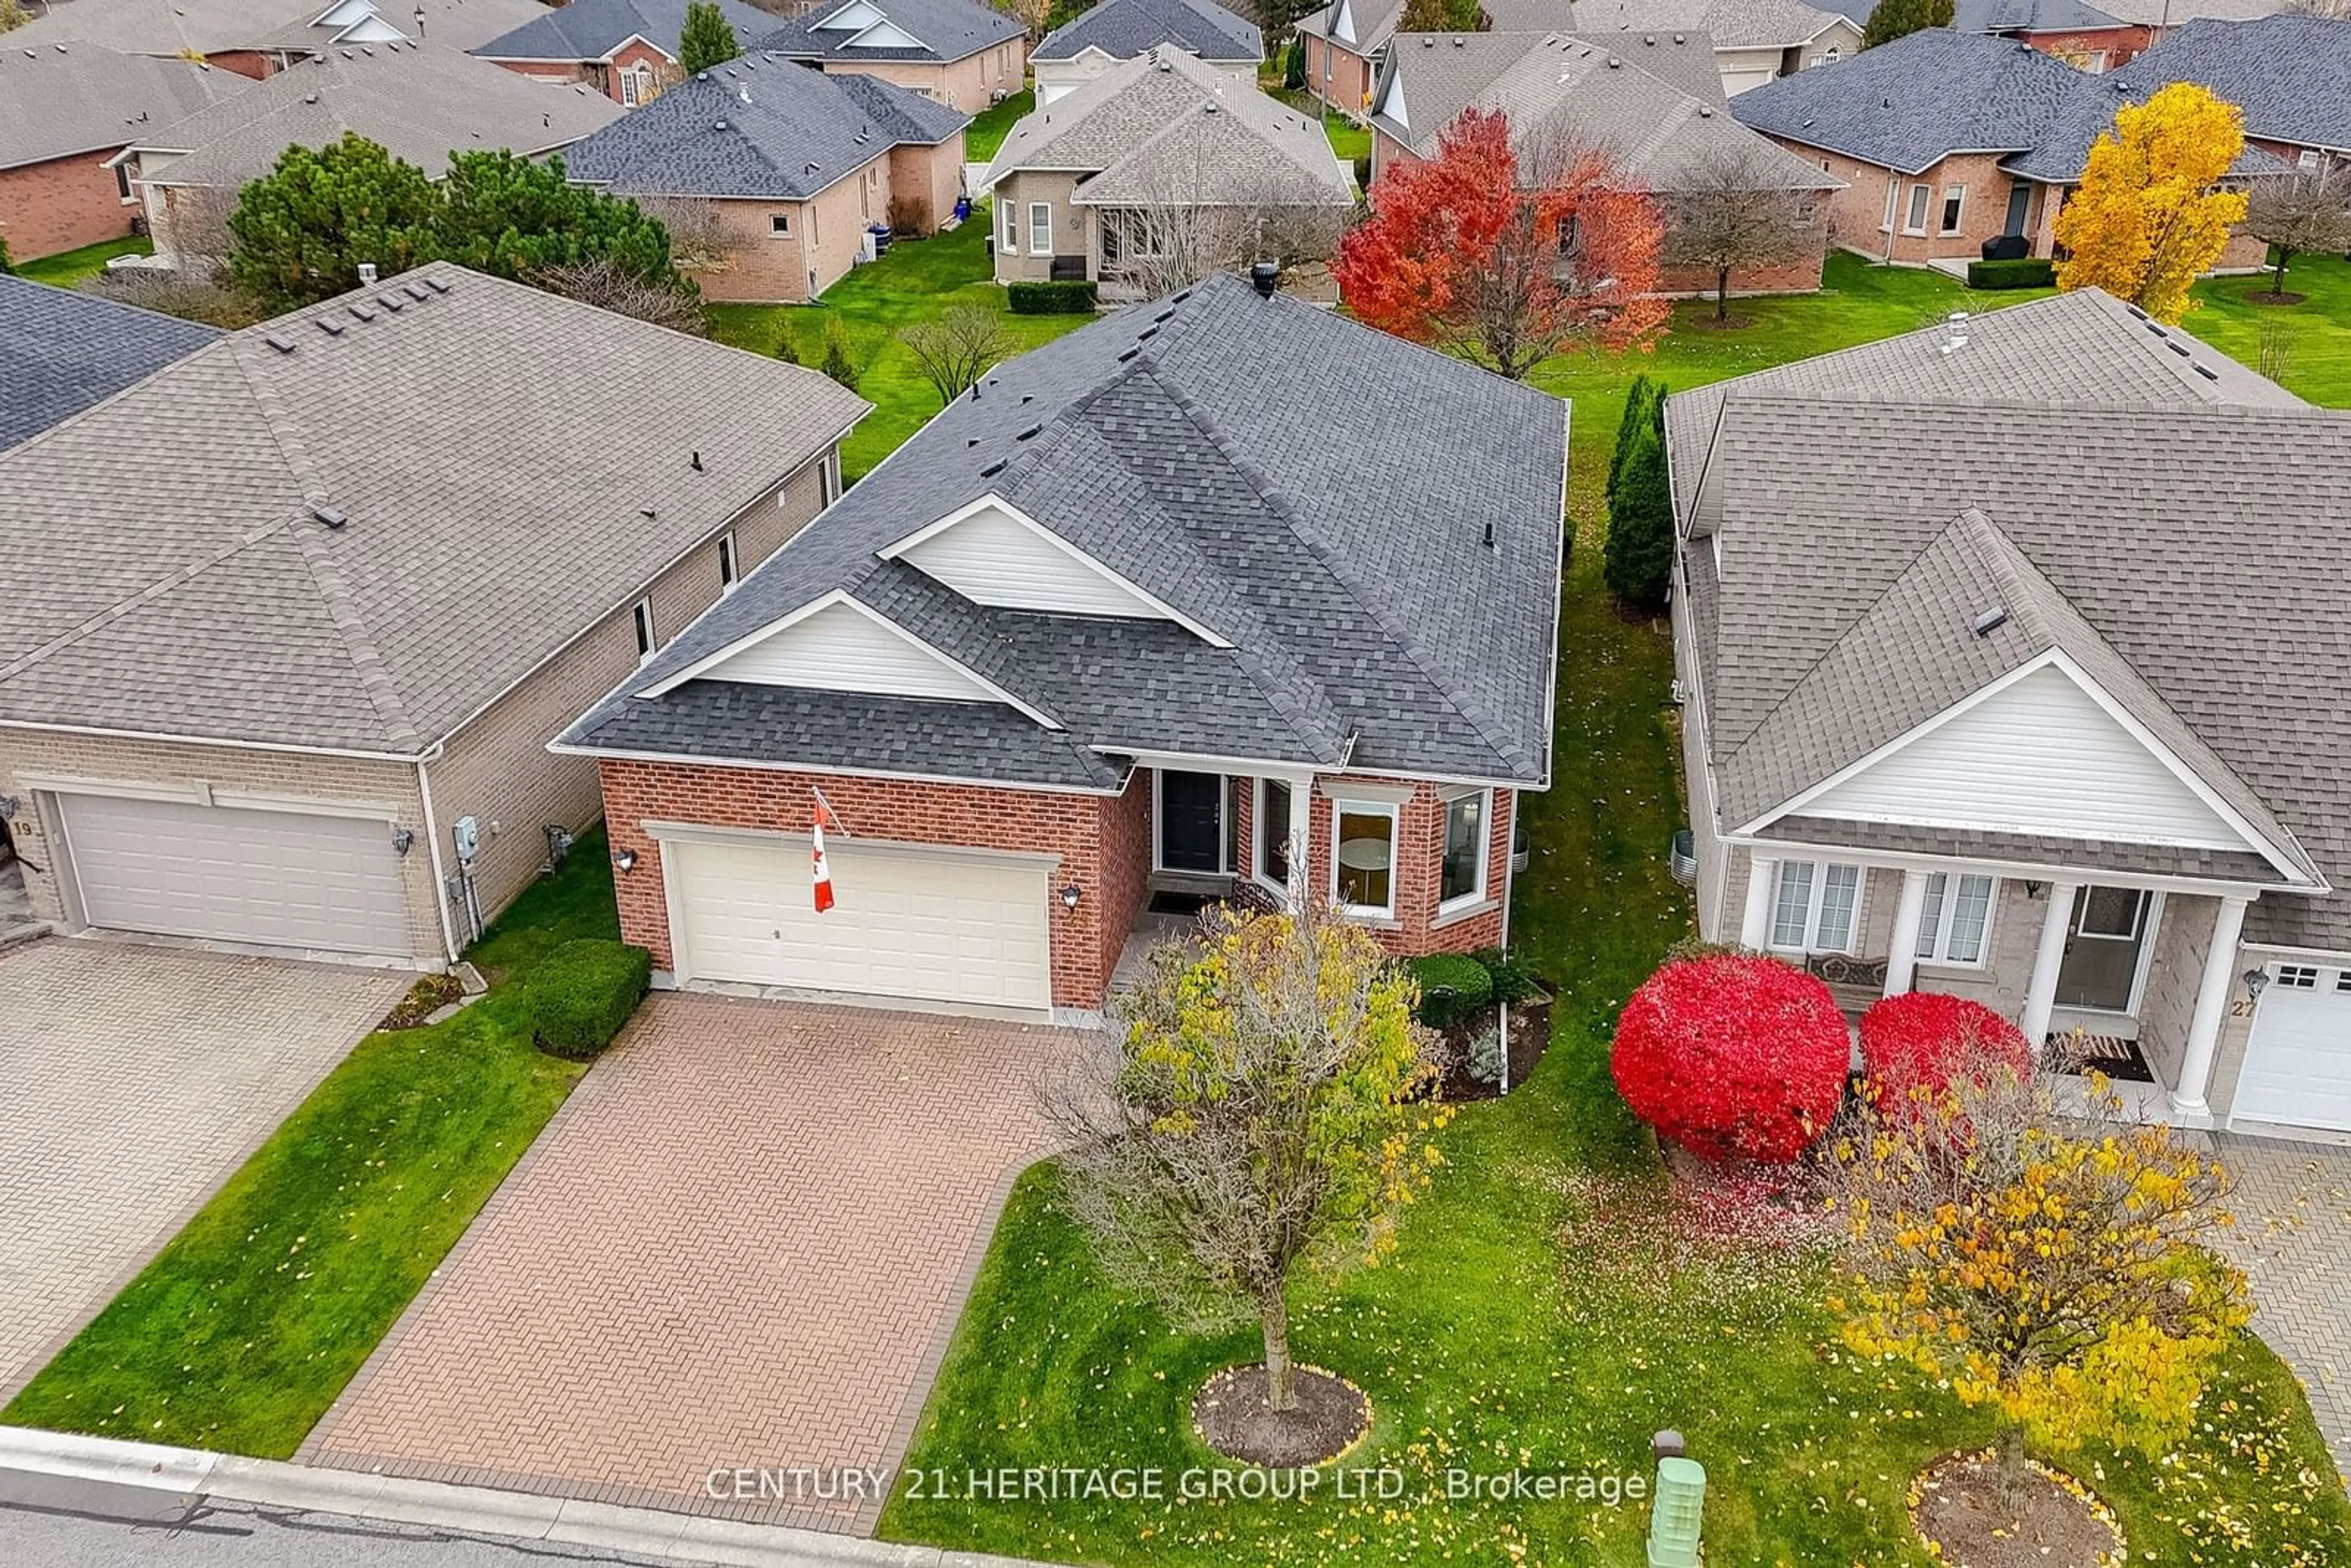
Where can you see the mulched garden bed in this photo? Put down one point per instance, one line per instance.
(1960, 1509)
(1529, 1038)
(2270, 297)
(1230, 1416)
(424, 998)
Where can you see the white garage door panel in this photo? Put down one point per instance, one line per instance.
(903, 925)
(2298, 1065)
(283, 879)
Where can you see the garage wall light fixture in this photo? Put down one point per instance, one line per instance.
(402, 840)
(2255, 980)
(9, 806)
(626, 860)
(1069, 896)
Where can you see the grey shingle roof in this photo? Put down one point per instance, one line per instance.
(759, 126)
(194, 592)
(1584, 91)
(946, 29)
(2028, 16)
(61, 98)
(1190, 447)
(2175, 13)
(592, 29)
(167, 27)
(62, 351)
(1731, 24)
(1166, 128)
(2151, 541)
(1125, 28)
(421, 102)
(2291, 75)
(1376, 20)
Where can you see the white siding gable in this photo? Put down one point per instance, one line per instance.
(2039, 756)
(852, 18)
(993, 557)
(884, 35)
(1392, 102)
(1343, 23)
(842, 649)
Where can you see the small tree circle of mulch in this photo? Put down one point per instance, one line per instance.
(1710, 322)
(1974, 1518)
(2270, 297)
(1230, 1416)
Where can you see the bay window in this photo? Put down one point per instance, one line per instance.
(1461, 876)
(1954, 919)
(1273, 831)
(1362, 864)
(1816, 907)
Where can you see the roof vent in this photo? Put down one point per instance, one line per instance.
(361, 313)
(367, 274)
(1425, 42)
(1705, 111)
(1456, 43)
(1956, 329)
(416, 291)
(720, 126)
(2135, 312)
(1988, 621)
(1030, 434)
(1146, 334)
(1679, 38)
(1127, 353)
(331, 329)
(993, 469)
(1649, 39)
(2207, 371)
(438, 283)
(283, 345)
(331, 518)
(2177, 347)
(1616, 64)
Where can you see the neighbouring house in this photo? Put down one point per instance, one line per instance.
(261, 37)
(1081, 49)
(1159, 170)
(61, 351)
(964, 53)
(1652, 102)
(2289, 75)
(421, 101)
(289, 680)
(2095, 37)
(1954, 144)
(625, 50)
(1995, 685)
(794, 165)
(65, 110)
(1104, 633)
(1347, 40)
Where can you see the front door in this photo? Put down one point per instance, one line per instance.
(2100, 971)
(2019, 203)
(1192, 822)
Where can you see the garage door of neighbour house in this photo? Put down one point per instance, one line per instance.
(905, 923)
(2298, 1063)
(279, 879)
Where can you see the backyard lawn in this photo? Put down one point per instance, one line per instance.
(68, 267)
(1548, 1309)
(246, 1326)
(988, 128)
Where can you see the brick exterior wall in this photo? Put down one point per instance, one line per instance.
(2085, 46)
(969, 84)
(62, 205)
(1072, 234)
(1339, 77)
(254, 63)
(823, 235)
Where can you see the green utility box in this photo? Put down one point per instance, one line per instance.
(1675, 1516)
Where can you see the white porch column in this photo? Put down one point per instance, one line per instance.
(1902, 956)
(2188, 1099)
(1755, 922)
(2041, 991)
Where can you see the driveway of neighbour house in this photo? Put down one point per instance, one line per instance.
(133, 1080)
(743, 1242)
(2293, 1237)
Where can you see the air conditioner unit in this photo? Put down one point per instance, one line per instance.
(997, 95)
(865, 251)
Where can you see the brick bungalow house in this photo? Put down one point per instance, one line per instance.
(1106, 631)
(289, 680)
(625, 50)
(258, 38)
(1655, 101)
(960, 53)
(2289, 75)
(62, 350)
(1946, 141)
(1089, 44)
(2092, 38)
(793, 163)
(65, 110)
(1993, 689)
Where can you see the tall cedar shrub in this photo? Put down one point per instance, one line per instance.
(1293, 63)
(1637, 563)
(1638, 400)
(708, 38)
(1738, 1055)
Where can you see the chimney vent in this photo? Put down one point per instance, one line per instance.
(1989, 620)
(1265, 276)
(367, 274)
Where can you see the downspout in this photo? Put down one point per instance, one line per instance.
(432, 840)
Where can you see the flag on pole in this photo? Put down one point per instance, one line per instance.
(823, 873)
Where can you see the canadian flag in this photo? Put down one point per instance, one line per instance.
(824, 872)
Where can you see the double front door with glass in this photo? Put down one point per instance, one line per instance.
(2104, 944)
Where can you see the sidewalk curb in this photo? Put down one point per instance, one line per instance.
(199, 1475)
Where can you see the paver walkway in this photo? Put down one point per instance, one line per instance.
(2292, 1239)
(741, 1244)
(133, 1080)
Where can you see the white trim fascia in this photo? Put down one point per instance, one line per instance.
(851, 41)
(608, 56)
(2057, 659)
(842, 597)
(2007, 870)
(440, 870)
(991, 501)
(1202, 762)
(748, 764)
(2328, 958)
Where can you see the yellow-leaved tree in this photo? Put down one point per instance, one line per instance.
(2150, 215)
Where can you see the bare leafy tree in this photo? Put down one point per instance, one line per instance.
(2273, 351)
(956, 347)
(609, 286)
(12, 16)
(2309, 209)
(194, 294)
(1196, 215)
(1731, 213)
(195, 223)
(1261, 1112)
(1034, 15)
(2332, 10)
(697, 240)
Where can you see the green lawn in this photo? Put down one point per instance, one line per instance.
(248, 1324)
(917, 279)
(1532, 1318)
(71, 266)
(988, 128)
(1348, 139)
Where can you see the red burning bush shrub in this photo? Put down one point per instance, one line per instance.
(1732, 1055)
(1917, 1040)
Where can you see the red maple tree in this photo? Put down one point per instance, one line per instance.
(1732, 1055)
(1506, 257)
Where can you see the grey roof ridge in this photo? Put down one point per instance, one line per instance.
(2308, 412)
(367, 659)
(1278, 500)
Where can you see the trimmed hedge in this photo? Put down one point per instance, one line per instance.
(1067, 296)
(1512, 981)
(1453, 986)
(583, 992)
(2025, 272)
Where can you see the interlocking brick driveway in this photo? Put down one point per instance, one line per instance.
(743, 1241)
(2292, 1239)
(133, 1080)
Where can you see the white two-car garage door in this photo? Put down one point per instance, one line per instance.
(927, 924)
(279, 879)
(2298, 1063)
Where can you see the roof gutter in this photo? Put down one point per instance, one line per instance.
(430, 754)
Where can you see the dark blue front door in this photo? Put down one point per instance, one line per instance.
(1192, 822)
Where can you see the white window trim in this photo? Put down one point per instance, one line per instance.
(779, 225)
(1941, 956)
(1960, 220)
(1010, 238)
(731, 564)
(1298, 799)
(1922, 203)
(1893, 204)
(1046, 248)
(1394, 812)
(648, 633)
(1812, 909)
(1476, 894)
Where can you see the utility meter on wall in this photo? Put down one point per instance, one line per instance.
(467, 832)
